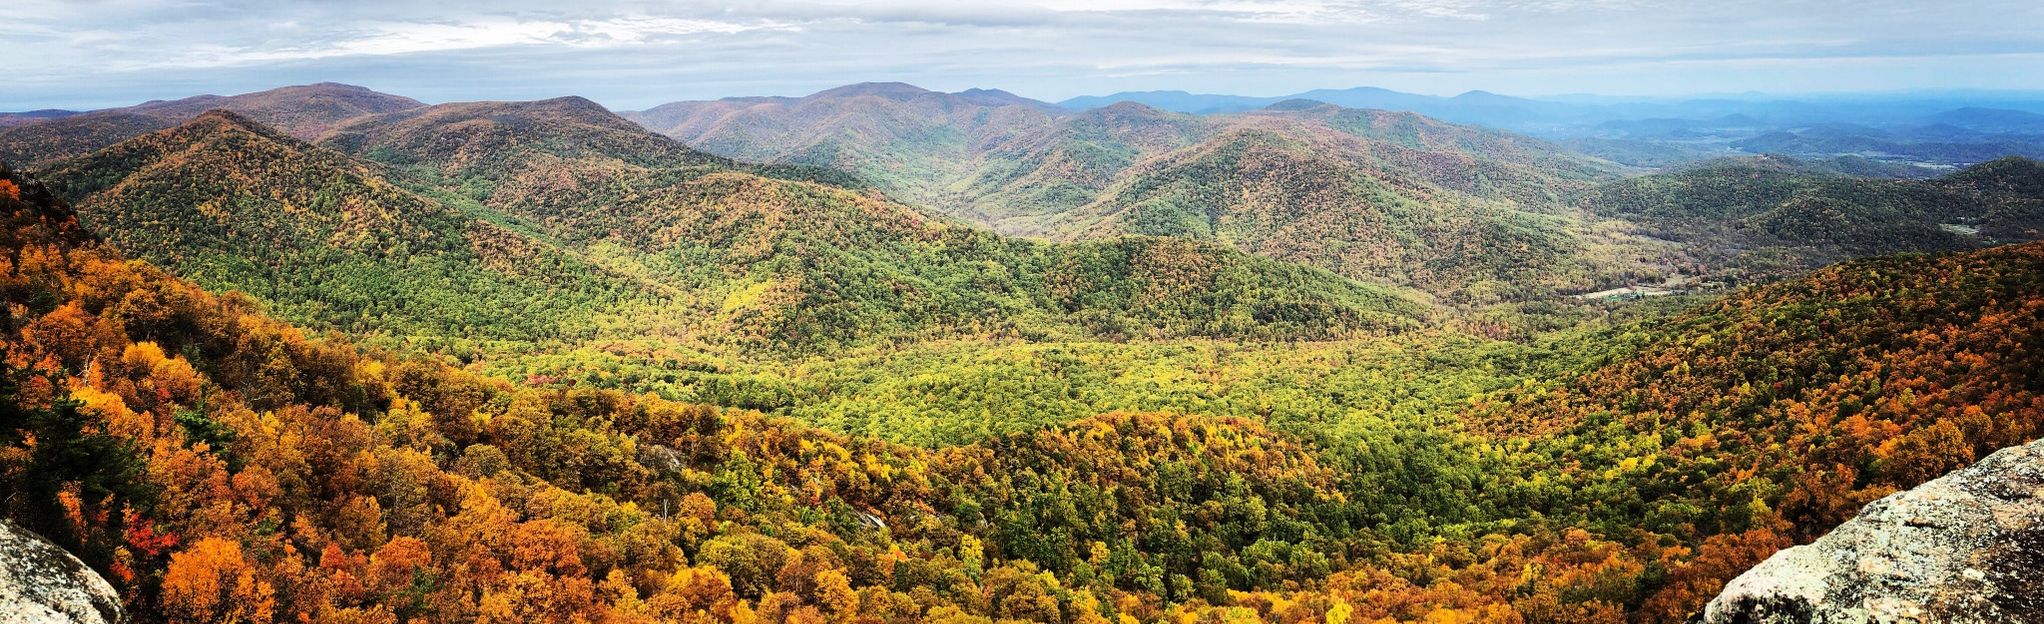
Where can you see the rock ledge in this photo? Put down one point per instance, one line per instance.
(42, 584)
(1966, 547)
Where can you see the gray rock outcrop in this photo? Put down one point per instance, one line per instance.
(42, 584)
(1966, 547)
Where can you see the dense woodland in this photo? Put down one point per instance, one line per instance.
(221, 466)
(1771, 216)
(1288, 183)
(1472, 216)
(375, 361)
(687, 249)
(303, 111)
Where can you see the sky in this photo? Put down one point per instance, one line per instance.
(83, 54)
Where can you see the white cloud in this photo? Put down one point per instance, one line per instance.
(639, 52)
(393, 38)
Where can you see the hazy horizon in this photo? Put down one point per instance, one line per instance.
(1757, 96)
(628, 55)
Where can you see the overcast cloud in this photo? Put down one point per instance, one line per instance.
(634, 54)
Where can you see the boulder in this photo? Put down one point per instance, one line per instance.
(42, 584)
(1966, 547)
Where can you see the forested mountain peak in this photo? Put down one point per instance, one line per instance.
(1769, 215)
(568, 105)
(1059, 174)
(998, 97)
(2014, 174)
(220, 147)
(1127, 110)
(538, 115)
(888, 90)
(465, 133)
(893, 91)
(555, 211)
(1128, 133)
(1299, 104)
(221, 120)
(1415, 131)
(304, 111)
(223, 174)
(847, 106)
(325, 239)
(1379, 196)
(1479, 94)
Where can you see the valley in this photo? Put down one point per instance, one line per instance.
(886, 354)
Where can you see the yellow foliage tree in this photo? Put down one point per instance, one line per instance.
(212, 583)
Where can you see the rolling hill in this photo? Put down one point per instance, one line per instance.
(303, 111)
(1770, 216)
(1770, 415)
(1473, 216)
(913, 142)
(1386, 197)
(25, 117)
(1028, 185)
(826, 254)
(486, 229)
(171, 436)
(503, 140)
(233, 204)
(1475, 107)
(1021, 169)
(451, 495)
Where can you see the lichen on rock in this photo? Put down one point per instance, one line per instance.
(1966, 547)
(42, 584)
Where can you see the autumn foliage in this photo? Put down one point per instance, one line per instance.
(222, 466)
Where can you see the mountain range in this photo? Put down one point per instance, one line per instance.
(301, 111)
(545, 219)
(1330, 174)
(1462, 212)
(1650, 496)
(1984, 111)
(1925, 131)
(888, 354)
(556, 209)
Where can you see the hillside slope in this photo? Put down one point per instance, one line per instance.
(329, 483)
(914, 143)
(201, 439)
(1029, 184)
(1377, 196)
(1013, 165)
(1768, 216)
(557, 221)
(1462, 195)
(797, 262)
(230, 203)
(1775, 413)
(1472, 216)
(332, 483)
(303, 111)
